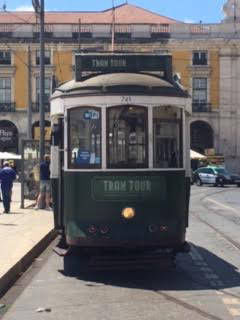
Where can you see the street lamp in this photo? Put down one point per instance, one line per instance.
(39, 9)
(113, 25)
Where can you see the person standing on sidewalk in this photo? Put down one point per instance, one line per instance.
(7, 176)
(0, 188)
(45, 185)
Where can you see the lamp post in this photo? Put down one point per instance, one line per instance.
(39, 9)
(113, 25)
(29, 110)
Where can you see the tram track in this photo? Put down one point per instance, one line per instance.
(188, 306)
(185, 305)
(212, 193)
(207, 285)
(236, 244)
(233, 242)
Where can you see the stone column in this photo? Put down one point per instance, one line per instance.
(229, 106)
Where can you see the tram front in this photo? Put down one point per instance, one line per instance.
(120, 161)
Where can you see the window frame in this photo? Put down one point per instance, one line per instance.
(6, 60)
(199, 89)
(209, 171)
(202, 59)
(6, 88)
(38, 79)
(104, 129)
(146, 162)
(47, 57)
(90, 166)
(180, 139)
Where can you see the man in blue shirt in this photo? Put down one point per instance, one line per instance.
(45, 184)
(7, 176)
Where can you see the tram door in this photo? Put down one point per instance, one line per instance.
(57, 161)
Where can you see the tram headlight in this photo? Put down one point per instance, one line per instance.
(128, 213)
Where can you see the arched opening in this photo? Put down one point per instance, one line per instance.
(201, 136)
(36, 130)
(8, 136)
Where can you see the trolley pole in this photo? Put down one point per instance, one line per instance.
(42, 84)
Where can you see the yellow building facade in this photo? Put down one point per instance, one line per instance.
(200, 63)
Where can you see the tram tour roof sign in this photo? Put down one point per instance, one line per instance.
(122, 62)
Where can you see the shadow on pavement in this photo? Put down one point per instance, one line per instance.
(186, 276)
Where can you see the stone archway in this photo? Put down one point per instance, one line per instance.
(201, 136)
(8, 136)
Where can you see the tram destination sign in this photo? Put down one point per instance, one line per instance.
(107, 63)
(128, 188)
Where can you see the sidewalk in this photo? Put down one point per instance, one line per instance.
(24, 234)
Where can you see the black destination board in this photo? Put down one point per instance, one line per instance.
(108, 63)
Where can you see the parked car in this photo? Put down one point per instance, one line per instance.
(212, 175)
(235, 179)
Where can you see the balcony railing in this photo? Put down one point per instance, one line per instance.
(199, 62)
(201, 107)
(7, 107)
(36, 107)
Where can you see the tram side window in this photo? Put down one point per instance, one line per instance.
(167, 137)
(84, 137)
(127, 137)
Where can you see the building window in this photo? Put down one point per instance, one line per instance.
(199, 94)
(47, 57)
(5, 57)
(200, 58)
(47, 89)
(5, 90)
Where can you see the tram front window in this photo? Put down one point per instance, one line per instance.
(167, 137)
(127, 137)
(84, 137)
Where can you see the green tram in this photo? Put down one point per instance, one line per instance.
(120, 154)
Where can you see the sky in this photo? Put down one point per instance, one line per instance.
(192, 11)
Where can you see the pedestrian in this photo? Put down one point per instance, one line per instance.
(45, 185)
(0, 193)
(0, 188)
(7, 176)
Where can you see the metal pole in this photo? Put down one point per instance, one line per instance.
(29, 113)
(42, 84)
(113, 25)
(79, 35)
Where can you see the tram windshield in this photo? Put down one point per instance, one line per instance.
(127, 137)
(84, 137)
(167, 137)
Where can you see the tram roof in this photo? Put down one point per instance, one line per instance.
(130, 83)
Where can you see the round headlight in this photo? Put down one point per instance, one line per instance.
(128, 213)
